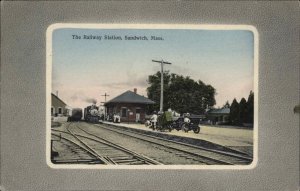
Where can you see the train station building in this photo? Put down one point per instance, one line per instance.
(58, 107)
(218, 116)
(129, 105)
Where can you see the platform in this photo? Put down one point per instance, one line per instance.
(230, 137)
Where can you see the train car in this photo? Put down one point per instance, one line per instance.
(76, 114)
(91, 114)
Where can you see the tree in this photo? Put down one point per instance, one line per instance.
(234, 112)
(153, 91)
(243, 110)
(250, 108)
(182, 94)
(226, 105)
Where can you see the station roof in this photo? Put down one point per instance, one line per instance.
(130, 97)
(53, 96)
(219, 111)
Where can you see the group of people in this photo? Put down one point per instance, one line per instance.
(114, 118)
(174, 115)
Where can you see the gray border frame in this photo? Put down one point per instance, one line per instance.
(23, 97)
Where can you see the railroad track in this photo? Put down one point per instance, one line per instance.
(85, 156)
(201, 154)
(106, 151)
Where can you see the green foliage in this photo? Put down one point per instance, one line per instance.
(250, 108)
(235, 112)
(182, 94)
(226, 105)
(242, 112)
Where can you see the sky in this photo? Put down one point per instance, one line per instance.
(85, 69)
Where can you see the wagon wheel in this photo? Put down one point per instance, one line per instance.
(196, 130)
(170, 128)
(185, 127)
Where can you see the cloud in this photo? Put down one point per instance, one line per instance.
(74, 97)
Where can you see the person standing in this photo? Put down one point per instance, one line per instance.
(153, 120)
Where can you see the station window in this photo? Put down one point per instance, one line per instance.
(124, 112)
(59, 110)
(138, 110)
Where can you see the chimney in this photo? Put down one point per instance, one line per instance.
(135, 90)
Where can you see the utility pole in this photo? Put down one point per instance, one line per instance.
(161, 82)
(105, 111)
(105, 95)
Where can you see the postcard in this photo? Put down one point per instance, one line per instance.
(148, 96)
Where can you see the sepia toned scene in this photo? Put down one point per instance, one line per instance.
(152, 97)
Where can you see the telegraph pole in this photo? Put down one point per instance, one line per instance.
(105, 95)
(161, 82)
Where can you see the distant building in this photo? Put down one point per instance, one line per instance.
(129, 105)
(218, 116)
(58, 107)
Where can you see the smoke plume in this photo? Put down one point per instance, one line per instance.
(79, 96)
(90, 100)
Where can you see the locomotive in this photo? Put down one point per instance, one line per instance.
(91, 114)
(76, 114)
